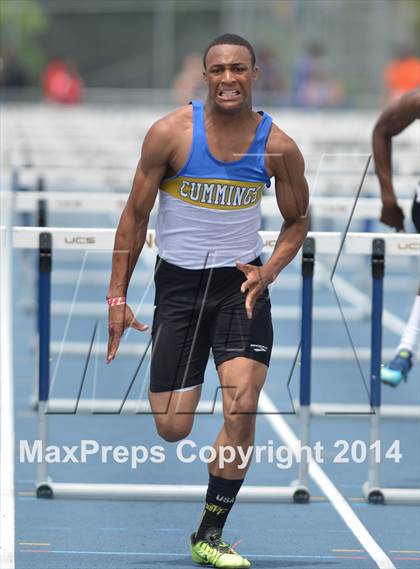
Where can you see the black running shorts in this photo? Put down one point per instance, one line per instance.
(196, 310)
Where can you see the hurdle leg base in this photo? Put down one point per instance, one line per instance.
(373, 494)
(301, 495)
(44, 490)
(396, 496)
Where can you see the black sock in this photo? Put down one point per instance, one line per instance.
(220, 497)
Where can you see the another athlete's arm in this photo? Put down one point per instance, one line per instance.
(287, 165)
(394, 119)
(132, 229)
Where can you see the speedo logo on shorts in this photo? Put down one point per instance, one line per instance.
(258, 348)
(215, 194)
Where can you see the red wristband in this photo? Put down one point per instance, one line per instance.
(116, 301)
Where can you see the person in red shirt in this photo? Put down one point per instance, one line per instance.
(61, 83)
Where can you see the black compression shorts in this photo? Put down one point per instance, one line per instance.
(199, 310)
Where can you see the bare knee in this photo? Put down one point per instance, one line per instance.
(172, 431)
(174, 412)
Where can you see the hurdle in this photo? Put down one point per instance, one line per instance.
(386, 411)
(118, 176)
(308, 262)
(297, 492)
(114, 202)
(326, 243)
(372, 490)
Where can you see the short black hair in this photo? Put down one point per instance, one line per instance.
(230, 39)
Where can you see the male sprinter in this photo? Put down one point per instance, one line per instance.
(210, 163)
(394, 119)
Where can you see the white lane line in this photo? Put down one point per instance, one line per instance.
(338, 502)
(7, 436)
(180, 556)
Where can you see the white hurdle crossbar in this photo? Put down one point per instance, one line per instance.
(114, 202)
(345, 410)
(279, 312)
(296, 492)
(328, 243)
(119, 178)
(102, 239)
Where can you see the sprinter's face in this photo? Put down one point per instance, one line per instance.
(230, 76)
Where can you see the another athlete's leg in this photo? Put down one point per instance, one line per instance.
(410, 338)
(398, 368)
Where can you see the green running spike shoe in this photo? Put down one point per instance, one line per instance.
(214, 552)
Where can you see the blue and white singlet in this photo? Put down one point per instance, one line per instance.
(209, 212)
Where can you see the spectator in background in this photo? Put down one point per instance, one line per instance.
(61, 83)
(402, 73)
(270, 85)
(313, 84)
(12, 73)
(188, 84)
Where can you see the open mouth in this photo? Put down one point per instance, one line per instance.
(228, 94)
